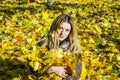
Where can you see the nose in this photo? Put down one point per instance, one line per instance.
(63, 31)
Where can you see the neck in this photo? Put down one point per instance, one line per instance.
(64, 44)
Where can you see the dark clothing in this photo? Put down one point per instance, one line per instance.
(78, 68)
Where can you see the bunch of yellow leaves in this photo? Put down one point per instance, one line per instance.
(43, 59)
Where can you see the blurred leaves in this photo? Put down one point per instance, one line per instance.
(23, 23)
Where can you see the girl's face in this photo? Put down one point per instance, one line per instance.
(63, 31)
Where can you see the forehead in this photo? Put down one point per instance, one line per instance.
(65, 25)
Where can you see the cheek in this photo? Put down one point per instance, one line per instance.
(67, 33)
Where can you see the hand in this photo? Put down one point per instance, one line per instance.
(59, 70)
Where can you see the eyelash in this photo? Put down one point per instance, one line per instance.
(65, 30)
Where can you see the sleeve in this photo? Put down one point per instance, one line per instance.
(78, 69)
(44, 73)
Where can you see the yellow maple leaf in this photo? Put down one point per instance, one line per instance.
(111, 44)
(45, 15)
(36, 64)
(84, 72)
(91, 40)
(16, 79)
(5, 46)
(118, 57)
(97, 28)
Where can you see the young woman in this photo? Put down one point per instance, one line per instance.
(62, 34)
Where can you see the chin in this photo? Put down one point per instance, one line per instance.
(61, 39)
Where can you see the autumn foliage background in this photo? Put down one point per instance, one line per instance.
(23, 23)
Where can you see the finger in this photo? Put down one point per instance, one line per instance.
(64, 74)
(65, 67)
(61, 73)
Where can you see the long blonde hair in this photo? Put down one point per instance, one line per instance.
(51, 39)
